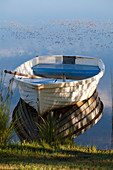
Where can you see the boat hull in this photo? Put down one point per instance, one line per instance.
(49, 96)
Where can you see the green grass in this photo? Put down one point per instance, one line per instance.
(42, 156)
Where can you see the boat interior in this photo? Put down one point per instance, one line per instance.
(66, 67)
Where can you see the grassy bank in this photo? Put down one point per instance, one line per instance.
(68, 156)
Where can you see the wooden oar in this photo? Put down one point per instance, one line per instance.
(32, 77)
(21, 74)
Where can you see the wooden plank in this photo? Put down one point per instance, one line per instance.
(17, 126)
(83, 123)
(21, 126)
(27, 117)
(77, 70)
(76, 117)
(89, 124)
(27, 129)
(78, 107)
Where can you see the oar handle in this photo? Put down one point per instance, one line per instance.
(21, 74)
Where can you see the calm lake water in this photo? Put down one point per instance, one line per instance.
(68, 27)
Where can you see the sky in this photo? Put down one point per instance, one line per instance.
(55, 9)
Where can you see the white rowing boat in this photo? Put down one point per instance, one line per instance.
(81, 77)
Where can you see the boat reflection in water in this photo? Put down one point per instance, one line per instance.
(74, 119)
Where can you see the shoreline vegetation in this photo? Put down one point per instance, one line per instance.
(45, 153)
(63, 156)
(6, 95)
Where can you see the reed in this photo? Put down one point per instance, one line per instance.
(6, 95)
(46, 130)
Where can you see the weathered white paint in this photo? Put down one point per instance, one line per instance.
(45, 97)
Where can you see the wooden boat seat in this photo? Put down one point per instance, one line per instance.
(70, 70)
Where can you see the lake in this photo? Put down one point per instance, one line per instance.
(70, 27)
